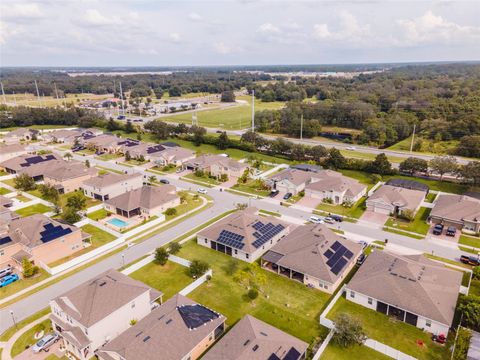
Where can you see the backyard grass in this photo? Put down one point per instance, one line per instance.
(355, 211)
(4, 191)
(252, 187)
(191, 203)
(396, 334)
(431, 197)
(22, 284)
(418, 224)
(286, 304)
(335, 352)
(99, 238)
(27, 339)
(470, 241)
(10, 182)
(474, 288)
(98, 214)
(169, 278)
(89, 201)
(34, 209)
(145, 221)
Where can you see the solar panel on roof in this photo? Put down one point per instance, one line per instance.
(267, 232)
(328, 253)
(258, 225)
(339, 266)
(293, 354)
(336, 245)
(348, 254)
(231, 239)
(5, 240)
(273, 357)
(196, 315)
(53, 232)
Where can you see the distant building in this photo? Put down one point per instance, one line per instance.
(21, 134)
(217, 165)
(110, 185)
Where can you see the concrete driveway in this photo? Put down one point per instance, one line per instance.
(309, 202)
(29, 355)
(375, 218)
(452, 239)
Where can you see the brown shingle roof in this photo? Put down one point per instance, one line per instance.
(109, 179)
(147, 197)
(24, 164)
(13, 148)
(328, 180)
(413, 283)
(457, 208)
(296, 177)
(69, 170)
(174, 154)
(249, 334)
(397, 196)
(163, 333)
(97, 298)
(205, 161)
(303, 250)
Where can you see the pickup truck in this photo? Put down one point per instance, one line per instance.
(470, 260)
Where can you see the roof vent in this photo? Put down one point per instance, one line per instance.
(169, 321)
(262, 333)
(255, 348)
(146, 338)
(103, 283)
(140, 333)
(246, 342)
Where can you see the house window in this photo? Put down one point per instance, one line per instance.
(370, 301)
(236, 251)
(133, 305)
(247, 256)
(2, 252)
(206, 241)
(352, 294)
(428, 323)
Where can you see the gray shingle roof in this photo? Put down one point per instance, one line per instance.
(328, 180)
(457, 208)
(397, 196)
(147, 197)
(109, 179)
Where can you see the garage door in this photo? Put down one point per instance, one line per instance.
(378, 209)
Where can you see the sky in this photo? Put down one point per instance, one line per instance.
(235, 32)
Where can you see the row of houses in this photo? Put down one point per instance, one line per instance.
(115, 317)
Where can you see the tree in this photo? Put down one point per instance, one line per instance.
(223, 142)
(476, 272)
(227, 96)
(128, 157)
(252, 294)
(348, 331)
(469, 307)
(469, 146)
(24, 182)
(335, 159)
(198, 134)
(161, 256)
(152, 179)
(70, 215)
(471, 171)
(87, 163)
(77, 201)
(112, 125)
(443, 165)
(381, 165)
(223, 178)
(171, 212)
(174, 248)
(68, 156)
(414, 165)
(197, 268)
(129, 127)
(49, 193)
(245, 176)
(241, 206)
(28, 268)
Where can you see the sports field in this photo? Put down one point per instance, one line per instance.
(50, 101)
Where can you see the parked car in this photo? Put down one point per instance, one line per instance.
(438, 229)
(121, 117)
(273, 193)
(6, 271)
(45, 342)
(287, 196)
(337, 218)
(451, 231)
(164, 181)
(329, 220)
(363, 243)
(351, 148)
(316, 220)
(179, 170)
(202, 191)
(470, 260)
(361, 259)
(7, 280)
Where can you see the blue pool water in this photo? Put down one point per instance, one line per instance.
(117, 222)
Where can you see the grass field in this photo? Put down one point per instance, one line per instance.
(230, 118)
(4, 191)
(34, 209)
(335, 352)
(98, 215)
(429, 146)
(50, 101)
(27, 339)
(22, 284)
(283, 303)
(418, 224)
(169, 278)
(396, 334)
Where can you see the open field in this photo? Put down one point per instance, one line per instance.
(284, 303)
(430, 146)
(50, 101)
(229, 118)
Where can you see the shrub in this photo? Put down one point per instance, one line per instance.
(24, 182)
(28, 268)
(171, 212)
(199, 173)
(252, 294)
(161, 256)
(174, 248)
(348, 331)
(223, 178)
(198, 268)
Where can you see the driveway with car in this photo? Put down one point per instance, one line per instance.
(28, 354)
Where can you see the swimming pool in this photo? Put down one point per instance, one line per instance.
(117, 222)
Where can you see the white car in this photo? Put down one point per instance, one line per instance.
(316, 220)
(352, 148)
(202, 191)
(45, 342)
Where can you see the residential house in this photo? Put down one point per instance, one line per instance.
(307, 167)
(244, 235)
(314, 255)
(328, 185)
(40, 239)
(104, 143)
(21, 134)
(412, 289)
(290, 180)
(173, 155)
(180, 329)
(395, 200)
(63, 136)
(99, 310)
(12, 151)
(460, 211)
(32, 165)
(253, 339)
(110, 185)
(146, 201)
(68, 177)
(217, 165)
(408, 184)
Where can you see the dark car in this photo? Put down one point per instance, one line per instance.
(287, 196)
(470, 260)
(438, 229)
(451, 231)
(6, 271)
(361, 259)
(273, 193)
(337, 218)
(164, 181)
(121, 117)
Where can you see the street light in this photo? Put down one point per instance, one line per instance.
(13, 318)
(123, 260)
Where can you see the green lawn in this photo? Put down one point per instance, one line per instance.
(470, 241)
(431, 197)
(475, 288)
(98, 215)
(22, 284)
(418, 224)
(230, 118)
(251, 187)
(134, 162)
(27, 339)
(205, 179)
(108, 157)
(335, 352)
(104, 170)
(99, 238)
(396, 334)
(7, 334)
(89, 201)
(448, 261)
(55, 357)
(22, 198)
(355, 211)
(191, 203)
(86, 152)
(403, 233)
(10, 182)
(4, 191)
(34, 209)
(283, 303)
(169, 279)
(3, 173)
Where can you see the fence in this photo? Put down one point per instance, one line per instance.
(387, 350)
(189, 288)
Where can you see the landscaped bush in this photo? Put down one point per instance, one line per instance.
(28, 268)
(161, 256)
(252, 294)
(171, 212)
(174, 248)
(348, 331)
(198, 268)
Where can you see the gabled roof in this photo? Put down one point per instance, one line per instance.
(36, 163)
(101, 296)
(413, 283)
(104, 140)
(328, 180)
(396, 196)
(169, 332)
(304, 249)
(69, 170)
(457, 208)
(12, 148)
(174, 154)
(146, 197)
(296, 177)
(408, 184)
(252, 339)
(205, 161)
(109, 179)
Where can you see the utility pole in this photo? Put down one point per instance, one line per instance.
(253, 110)
(121, 98)
(14, 98)
(301, 127)
(38, 92)
(413, 137)
(3, 93)
(194, 118)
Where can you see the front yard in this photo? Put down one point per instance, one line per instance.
(33, 209)
(396, 334)
(108, 157)
(418, 224)
(22, 284)
(27, 339)
(191, 202)
(254, 187)
(201, 179)
(355, 211)
(4, 191)
(169, 279)
(470, 241)
(284, 303)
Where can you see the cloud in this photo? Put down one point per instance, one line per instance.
(224, 49)
(175, 37)
(287, 33)
(431, 28)
(195, 17)
(94, 17)
(320, 31)
(268, 28)
(21, 11)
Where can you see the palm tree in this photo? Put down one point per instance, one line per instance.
(68, 156)
(152, 179)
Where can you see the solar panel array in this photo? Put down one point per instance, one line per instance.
(196, 315)
(231, 239)
(154, 149)
(129, 143)
(292, 354)
(265, 232)
(52, 232)
(338, 256)
(36, 159)
(5, 240)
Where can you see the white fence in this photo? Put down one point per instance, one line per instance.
(138, 265)
(387, 350)
(189, 288)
